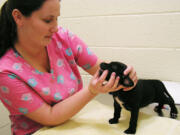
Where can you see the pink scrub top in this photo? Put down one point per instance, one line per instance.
(24, 89)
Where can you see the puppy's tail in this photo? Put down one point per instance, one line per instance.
(165, 91)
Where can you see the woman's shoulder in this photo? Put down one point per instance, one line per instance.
(61, 39)
(9, 61)
(62, 33)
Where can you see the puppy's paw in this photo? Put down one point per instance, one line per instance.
(113, 121)
(130, 131)
(173, 115)
(158, 111)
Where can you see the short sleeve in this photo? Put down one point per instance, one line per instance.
(83, 55)
(17, 96)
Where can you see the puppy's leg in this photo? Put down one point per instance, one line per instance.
(158, 109)
(117, 113)
(174, 111)
(133, 121)
(167, 99)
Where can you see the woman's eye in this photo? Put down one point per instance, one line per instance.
(47, 21)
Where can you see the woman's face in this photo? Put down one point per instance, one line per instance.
(40, 26)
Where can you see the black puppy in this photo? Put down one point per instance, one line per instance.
(143, 94)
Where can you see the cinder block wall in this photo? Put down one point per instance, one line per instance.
(145, 34)
(142, 33)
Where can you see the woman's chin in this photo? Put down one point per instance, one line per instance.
(47, 41)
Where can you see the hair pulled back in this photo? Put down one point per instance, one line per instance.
(8, 28)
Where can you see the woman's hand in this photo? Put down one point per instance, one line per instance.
(132, 74)
(99, 85)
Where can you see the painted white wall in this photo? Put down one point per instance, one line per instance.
(142, 33)
(145, 34)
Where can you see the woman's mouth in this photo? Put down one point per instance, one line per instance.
(49, 37)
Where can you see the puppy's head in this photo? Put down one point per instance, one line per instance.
(118, 68)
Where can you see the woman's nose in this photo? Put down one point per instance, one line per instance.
(54, 29)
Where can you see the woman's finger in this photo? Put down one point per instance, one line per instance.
(116, 82)
(96, 75)
(111, 82)
(132, 74)
(128, 70)
(102, 77)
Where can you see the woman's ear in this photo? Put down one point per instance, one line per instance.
(18, 17)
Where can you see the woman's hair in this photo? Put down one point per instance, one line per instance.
(8, 28)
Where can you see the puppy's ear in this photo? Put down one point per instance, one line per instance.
(104, 65)
(127, 82)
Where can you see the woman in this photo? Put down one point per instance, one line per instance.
(39, 80)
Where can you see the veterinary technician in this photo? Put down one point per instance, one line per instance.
(40, 83)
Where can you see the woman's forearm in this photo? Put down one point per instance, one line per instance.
(64, 110)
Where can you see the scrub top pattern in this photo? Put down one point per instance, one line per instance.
(24, 89)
